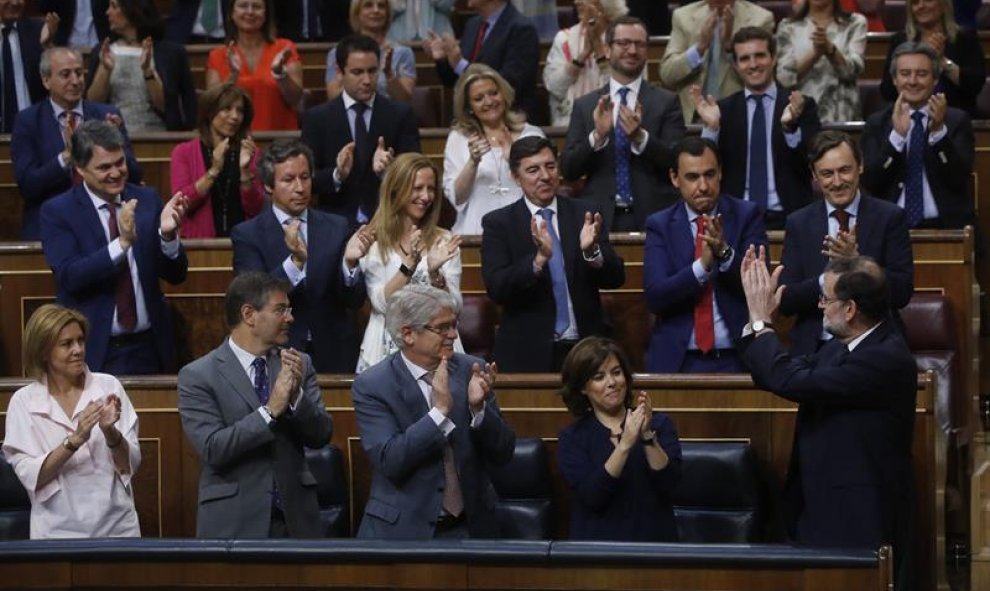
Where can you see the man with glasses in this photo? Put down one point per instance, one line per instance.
(249, 407)
(621, 136)
(846, 223)
(429, 425)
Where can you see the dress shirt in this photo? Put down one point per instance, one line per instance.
(722, 338)
(631, 98)
(62, 122)
(442, 421)
(293, 273)
(170, 248)
(247, 363)
(20, 82)
(83, 35)
(492, 19)
(351, 118)
(902, 143)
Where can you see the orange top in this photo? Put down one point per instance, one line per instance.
(874, 23)
(271, 112)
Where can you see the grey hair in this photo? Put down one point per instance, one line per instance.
(414, 305)
(45, 63)
(278, 152)
(916, 47)
(94, 133)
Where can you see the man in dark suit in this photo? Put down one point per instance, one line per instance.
(356, 135)
(656, 15)
(310, 250)
(430, 425)
(851, 223)
(81, 30)
(23, 37)
(543, 260)
(621, 137)
(108, 243)
(850, 481)
(691, 267)
(39, 145)
(249, 407)
(768, 164)
(931, 182)
(313, 21)
(196, 21)
(498, 36)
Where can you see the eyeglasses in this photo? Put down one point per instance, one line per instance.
(442, 329)
(824, 301)
(625, 44)
(282, 310)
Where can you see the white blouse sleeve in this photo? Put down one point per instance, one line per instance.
(455, 157)
(25, 448)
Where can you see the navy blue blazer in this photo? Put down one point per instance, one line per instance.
(76, 249)
(321, 302)
(35, 145)
(671, 288)
(881, 233)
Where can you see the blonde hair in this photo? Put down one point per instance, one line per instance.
(41, 333)
(948, 21)
(388, 223)
(354, 21)
(613, 9)
(465, 120)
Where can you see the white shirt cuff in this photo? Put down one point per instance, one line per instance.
(293, 273)
(443, 423)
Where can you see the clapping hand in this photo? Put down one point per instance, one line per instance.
(759, 285)
(126, 229)
(542, 240)
(109, 411)
(294, 241)
(792, 112)
(482, 380)
(345, 161)
(590, 231)
(603, 118)
(49, 29)
(358, 245)
(106, 55)
(173, 214)
(843, 245)
(441, 252)
(148, 57)
(382, 158)
(706, 107)
(233, 60)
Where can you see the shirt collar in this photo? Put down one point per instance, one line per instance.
(770, 91)
(493, 17)
(855, 342)
(284, 217)
(78, 110)
(852, 209)
(40, 400)
(349, 101)
(243, 357)
(99, 202)
(534, 208)
(693, 215)
(416, 371)
(634, 86)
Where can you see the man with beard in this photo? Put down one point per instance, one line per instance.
(846, 223)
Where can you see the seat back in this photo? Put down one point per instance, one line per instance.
(15, 506)
(525, 507)
(327, 466)
(476, 325)
(870, 97)
(719, 498)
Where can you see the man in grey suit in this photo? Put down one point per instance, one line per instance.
(249, 407)
(622, 136)
(429, 424)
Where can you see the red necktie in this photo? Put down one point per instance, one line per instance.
(478, 40)
(704, 319)
(124, 287)
(71, 122)
(842, 216)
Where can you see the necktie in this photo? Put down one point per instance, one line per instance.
(362, 144)
(261, 387)
(758, 185)
(71, 122)
(208, 16)
(704, 318)
(478, 41)
(453, 498)
(558, 276)
(842, 216)
(123, 286)
(623, 153)
(9, 86)
(714, 62)
(913, 203)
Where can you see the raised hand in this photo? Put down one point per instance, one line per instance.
(819, 40)
(631, 120)
(631, 428)
(126, 229)
(411, 246)
(792, 112)
(387, 62)
(382, 158)
(442, 399)
(286, 382)
(109, 411)
(542, 240)
(434, 47)
(590, 231)
(727, 19)
(88, 418)
(147, 56)
(643, 400)
(292, 233)
(345, 161)
(49, 29)
(759, 285)
(173, 215)
(246, 155)
(358, 245)
(441, 252)
(478, 146)
(278, 63)
(706, 107)
(218, 155)
(482, 380)
(106, 55)
(603, 118)
(900, 117)
(452, 49)
(936, 112)
(937, 41)
(707, 32)
(233, 60)
(843, 245)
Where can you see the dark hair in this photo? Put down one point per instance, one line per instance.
(92, 133)
(251, 288)
(624, 20)
(916, 48)
(840, 16)
(528, 146)
(278, 152)
(143, 15)
(746, 34)
(693, 145)
(217, 99)
(268, 30)
(828, 140)
(354, 43)
(582, 363)
(862, 280)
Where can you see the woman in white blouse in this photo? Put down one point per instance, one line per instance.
(476, 177)
(72, 435)
(409, 248)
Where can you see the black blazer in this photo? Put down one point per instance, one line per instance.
(172, 65)
(882, 233)
(948, 164)
(182, 17)
(524, 341)
(29, 37)
(655, 14)
(325, 129)
(512, 48)
(66, 10)
(790, 165)
(334, 19)
(652, 191)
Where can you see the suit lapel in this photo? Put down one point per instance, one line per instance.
(273, 236)
(230, 368)
(408, 389)
(569, 224)
(339, 113)
(93, 223)
(683, 243)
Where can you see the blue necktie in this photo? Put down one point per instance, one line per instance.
(261, 379)
(557, 276)
(913, 186)
(623, 184)
(758, 188)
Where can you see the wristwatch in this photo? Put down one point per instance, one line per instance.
(67, 444)
(405, 270)
(650, 438)
(724, 254)
(760, 325)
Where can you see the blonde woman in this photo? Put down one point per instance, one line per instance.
(476, 177)
(409, 248)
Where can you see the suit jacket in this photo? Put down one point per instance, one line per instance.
(512, 48)
(791, 171)
(320, 303)
(240, 455)
(671, 288)
(405, 449)
(524, 341)
(29, 38)
(948, 164)
(881, 233)
(182, 18)
(76, 249)
(172, 65)
(325, 129)
(35, 145)
(850, 478)
(66, 10)
(656, 15)
(334, 20)
(648, 171)
(687, 22)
